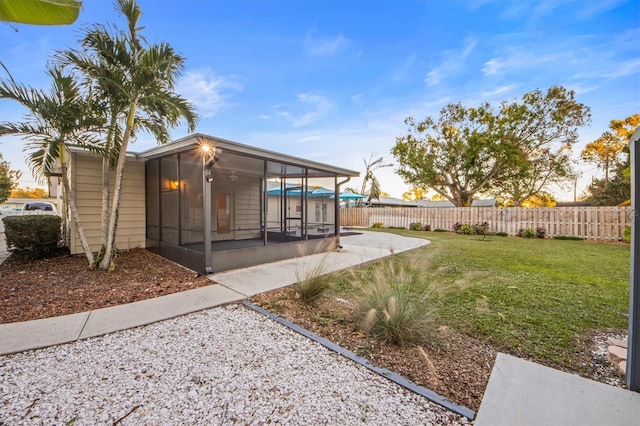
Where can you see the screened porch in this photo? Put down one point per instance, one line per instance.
(214, 205)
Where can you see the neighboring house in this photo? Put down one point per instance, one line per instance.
(287, 202)
(391, 202)
(573, 204)
(396, 202)
(203, 202)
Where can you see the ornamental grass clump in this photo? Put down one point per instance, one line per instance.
(313, 281)
(396, 306)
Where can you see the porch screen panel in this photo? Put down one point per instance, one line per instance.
(152, 197)
(169, 190)
(192, 214)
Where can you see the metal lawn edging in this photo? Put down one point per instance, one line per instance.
(387, 374)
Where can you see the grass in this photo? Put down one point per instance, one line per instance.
(531, 297)
(312, 280)
(396, 305)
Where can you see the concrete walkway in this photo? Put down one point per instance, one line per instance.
(232, 286)
(524, 393)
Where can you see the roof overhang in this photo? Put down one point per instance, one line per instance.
(189, 142)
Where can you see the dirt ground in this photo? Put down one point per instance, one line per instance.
(450, 363)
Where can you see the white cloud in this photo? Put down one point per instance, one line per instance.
(593, 8)
(453, 61)
(516, 58)
(499, 91)
(308, 107)
(206, 91)
(326, 46)
(492, 66)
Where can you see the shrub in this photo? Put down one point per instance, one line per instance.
(481, 228)
(502, 234)
(32, 236)
(313, 281)
(427, 228)
(416, 226)
(567, 237)
(439, 230)
(465, 229)
(377, 225)
(397, 227)
(541, 233)
(526, 233)
(395, 307)
(627, 234)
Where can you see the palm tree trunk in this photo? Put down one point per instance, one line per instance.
(76, 217)
(106, 166)
(105, 200)
(64, 214)
(117, 192)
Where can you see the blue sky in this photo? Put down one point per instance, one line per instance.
(332, 81)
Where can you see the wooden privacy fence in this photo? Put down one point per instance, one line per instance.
(594, 223)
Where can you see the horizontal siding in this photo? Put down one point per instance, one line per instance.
(247, 210)
(87, 186)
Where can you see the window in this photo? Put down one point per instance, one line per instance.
(321, 212)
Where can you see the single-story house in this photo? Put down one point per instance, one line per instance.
(391, 202)
(396, 202)
(203, 202)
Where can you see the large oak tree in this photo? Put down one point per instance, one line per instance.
(515, 150)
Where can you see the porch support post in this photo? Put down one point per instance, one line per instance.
(633, 355)
(336, 208)
(264, 212)
(304, 232)
(206, 200)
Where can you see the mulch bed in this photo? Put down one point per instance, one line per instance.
(66, 285)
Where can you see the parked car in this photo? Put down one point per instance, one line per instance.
(47, 207)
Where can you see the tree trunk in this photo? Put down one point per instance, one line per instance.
(106, 166)
(105, 204)
(76, 217)
(64, 210)
(117, 192)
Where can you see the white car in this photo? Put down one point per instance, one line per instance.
(44, 206)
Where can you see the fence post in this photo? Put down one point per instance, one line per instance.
(633, 358)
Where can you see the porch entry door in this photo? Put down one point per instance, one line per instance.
(223, 214)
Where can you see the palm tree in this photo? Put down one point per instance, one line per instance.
(136, 81)
(374, 191)
(57, 119)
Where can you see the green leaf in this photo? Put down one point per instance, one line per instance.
(40, 12)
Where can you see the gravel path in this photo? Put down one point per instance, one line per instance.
(227, 365)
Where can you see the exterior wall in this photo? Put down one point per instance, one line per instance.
(246, 203)
(244, 207)
(86, 184)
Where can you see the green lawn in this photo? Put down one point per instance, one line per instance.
(535, 298)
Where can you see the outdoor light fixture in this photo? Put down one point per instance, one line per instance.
(210, 156)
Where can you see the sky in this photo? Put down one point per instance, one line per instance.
(333, 81)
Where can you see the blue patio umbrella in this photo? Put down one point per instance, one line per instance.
(351, 196)
(321, 192)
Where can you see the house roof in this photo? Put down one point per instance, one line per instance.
(396, 202)
(316, 192)
(392, 202)
(292, 165)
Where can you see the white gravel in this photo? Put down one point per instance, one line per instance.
(222, 366)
